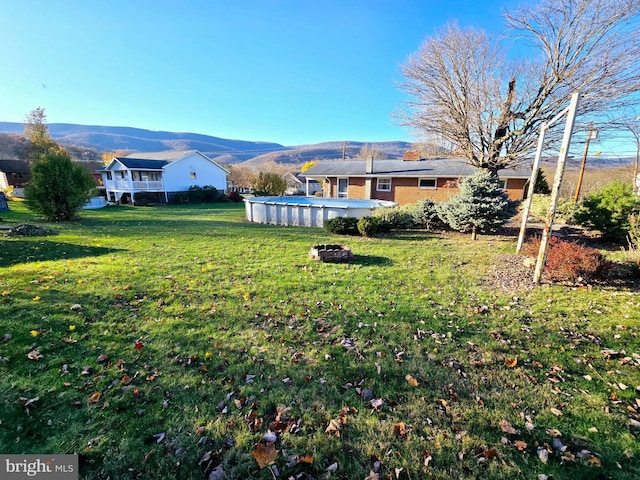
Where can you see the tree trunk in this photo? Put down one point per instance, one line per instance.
(474, 233)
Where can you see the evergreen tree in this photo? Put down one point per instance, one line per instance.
(37, 132)
(58, 186)
(480, 207)
(542, 186)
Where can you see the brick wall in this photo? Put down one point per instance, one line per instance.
(405, 190)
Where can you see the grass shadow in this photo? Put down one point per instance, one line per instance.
(14, 252)
(371, 261)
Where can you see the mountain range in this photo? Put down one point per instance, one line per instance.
(129, 139)
(87, 142)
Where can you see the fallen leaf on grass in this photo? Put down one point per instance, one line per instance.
(307, 458)
(490, 453)
(520, 445)
(511, 362)
(265, 455)
(69, 340)
(218, 473)
(506, 427)
(35, 355)
(411, 380)
(553, 432)
(26, 403)
(543, 454)
(334, 427)
(95, 397)
(372, 476)
(400, 429)
(556, 412)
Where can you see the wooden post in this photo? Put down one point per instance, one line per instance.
(534, 177)
(530, 189)
(584, 164)
(555, 191)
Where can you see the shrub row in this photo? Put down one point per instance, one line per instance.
(197, 194)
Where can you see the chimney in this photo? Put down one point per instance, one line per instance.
(369, 165)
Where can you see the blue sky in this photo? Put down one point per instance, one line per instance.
(287, 71)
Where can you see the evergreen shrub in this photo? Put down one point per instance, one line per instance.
(342, 225)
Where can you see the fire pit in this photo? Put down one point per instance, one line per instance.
(331, 253)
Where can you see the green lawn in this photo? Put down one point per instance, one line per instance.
(165, 342)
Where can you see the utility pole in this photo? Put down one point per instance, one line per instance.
(592, 134)
(344, 150)
(555, 191)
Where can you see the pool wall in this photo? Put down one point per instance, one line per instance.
(307, 211)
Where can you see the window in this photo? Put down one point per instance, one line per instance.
(427, 183)
(343, 187)
(109, 177)
(384, 185)
(503, 184)
(193, 174)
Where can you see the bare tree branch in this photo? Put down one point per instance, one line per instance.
(464, 89)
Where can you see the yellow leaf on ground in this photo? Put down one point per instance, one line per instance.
(411, 380)
(511, 362)
(334, 427)
(265, 455)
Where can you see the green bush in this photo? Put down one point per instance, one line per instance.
(59, 187)
(206, 194)
(178, 198)
(425, 215)
(147, 198)
(565, 210)
(608, 210)
(342, 225)
(400, 218)
(370, 226)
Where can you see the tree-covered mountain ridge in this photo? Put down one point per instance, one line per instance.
(230, 151)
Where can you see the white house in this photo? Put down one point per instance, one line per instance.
(162, 173)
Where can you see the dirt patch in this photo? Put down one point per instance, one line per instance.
(27, 230)
(510, 274)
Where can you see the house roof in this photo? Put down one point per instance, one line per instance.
(168, 155)
(142, 163)
(14, 166)
(151, 160)
(441, 167)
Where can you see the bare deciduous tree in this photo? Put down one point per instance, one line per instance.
(466, 89)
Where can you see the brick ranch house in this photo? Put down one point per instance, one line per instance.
(406, 181)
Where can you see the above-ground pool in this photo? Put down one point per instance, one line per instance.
(307, 211)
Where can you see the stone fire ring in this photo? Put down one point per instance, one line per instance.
(331, 253)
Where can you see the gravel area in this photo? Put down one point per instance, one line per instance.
(510, 274)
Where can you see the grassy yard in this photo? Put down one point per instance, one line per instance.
(179, 341)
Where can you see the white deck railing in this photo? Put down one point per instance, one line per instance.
(135, 186)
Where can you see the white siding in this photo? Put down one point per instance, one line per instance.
(178, 175)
